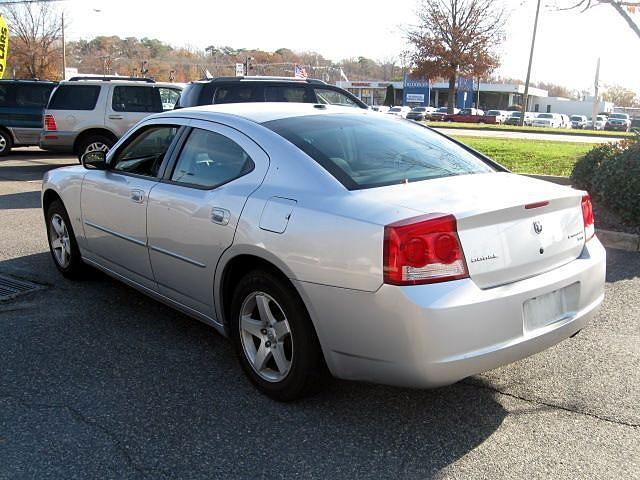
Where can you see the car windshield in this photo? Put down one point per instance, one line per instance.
(545, 115)
(493, 112)
(516, 114)
(622, 116)
(576, 118)
(419, 109)
(443, 109)
(362, 151)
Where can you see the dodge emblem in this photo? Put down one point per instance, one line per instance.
(537, 227)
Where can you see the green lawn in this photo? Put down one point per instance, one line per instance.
(513, 128)
(541, 157)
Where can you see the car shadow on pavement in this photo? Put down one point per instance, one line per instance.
(22, 173)
(20, 200)
(99, 380)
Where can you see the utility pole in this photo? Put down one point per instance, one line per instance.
(526, 85)
(64, 52)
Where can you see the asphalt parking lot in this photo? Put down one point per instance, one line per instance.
(98, 381)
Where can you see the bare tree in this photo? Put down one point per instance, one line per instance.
(456, 37)
(624, 8)
(35, 48)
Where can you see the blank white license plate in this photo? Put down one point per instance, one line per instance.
(551, 307)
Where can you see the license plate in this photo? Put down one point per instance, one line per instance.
(551, 307)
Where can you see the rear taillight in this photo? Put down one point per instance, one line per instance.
(50, 123)
(587, 216)
(423, 249)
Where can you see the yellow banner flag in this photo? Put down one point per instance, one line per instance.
(4, 45)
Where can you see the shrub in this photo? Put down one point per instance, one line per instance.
(616, 182)
(585, 169)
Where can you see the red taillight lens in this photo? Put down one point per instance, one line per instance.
(587, 216)
(423, 249)
(50, 123)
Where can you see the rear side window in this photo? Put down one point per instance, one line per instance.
(5, 95)
(74, 97)
(168, 97)
(33, 95)
(136, 99)
(363, 151)
(209, 160)
(236, 94)
(282, 93)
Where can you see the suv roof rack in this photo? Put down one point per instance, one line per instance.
(108, 79)
(261, 78)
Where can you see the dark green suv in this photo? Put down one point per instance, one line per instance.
(21, 105)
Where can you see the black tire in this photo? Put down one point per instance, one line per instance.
(307, 369)
(6, 143)
(75, 267)
(84, 145)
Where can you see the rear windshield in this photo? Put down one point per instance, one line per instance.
(623, 116)
(493, 113)
(363, 151)
(545, 115)
(577, 118)
(74, 97)
(419, 109)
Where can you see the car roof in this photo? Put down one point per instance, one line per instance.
(262, 79)
(260, 112)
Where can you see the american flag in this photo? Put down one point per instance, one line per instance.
(299, 71)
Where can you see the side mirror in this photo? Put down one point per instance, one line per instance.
(94, 160)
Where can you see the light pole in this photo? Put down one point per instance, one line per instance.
(526, 85)
(64, 52)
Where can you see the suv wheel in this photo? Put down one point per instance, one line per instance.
(5, 143)
(95, 143)
(274, 337)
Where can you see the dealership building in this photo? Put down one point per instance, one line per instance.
(498, 96)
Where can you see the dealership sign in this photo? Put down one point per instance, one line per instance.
(415, 91)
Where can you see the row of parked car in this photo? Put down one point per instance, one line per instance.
(610, 121)
(90, 113)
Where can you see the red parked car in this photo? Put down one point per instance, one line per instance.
(471, 115)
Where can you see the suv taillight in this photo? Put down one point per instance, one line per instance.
(587, 216)
(50, 123)
(424, 249)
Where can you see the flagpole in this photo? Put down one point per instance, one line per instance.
(596, 101)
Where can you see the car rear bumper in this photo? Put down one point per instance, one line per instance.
(433, 335)
(58, 141)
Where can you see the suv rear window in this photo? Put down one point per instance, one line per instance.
(361, 151)
(74, 97)
(33, 95)
(280, 93)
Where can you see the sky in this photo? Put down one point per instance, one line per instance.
(567, 48)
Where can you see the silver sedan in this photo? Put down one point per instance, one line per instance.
(322, 239)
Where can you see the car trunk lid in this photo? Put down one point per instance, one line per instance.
(510, 227)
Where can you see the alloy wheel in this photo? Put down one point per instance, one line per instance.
(60, 241)
(266, 337)
(96, 147)
(3, 143)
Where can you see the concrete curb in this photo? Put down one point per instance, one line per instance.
(619, 240)
(605, 138)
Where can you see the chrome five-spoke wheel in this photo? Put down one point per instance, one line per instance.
(266, 337)
(97, 147)
(60, 241)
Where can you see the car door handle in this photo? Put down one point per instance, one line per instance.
(220, 216)
(137, 196)
(116, 117)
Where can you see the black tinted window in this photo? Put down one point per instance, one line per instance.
(144, 152)
(286, 93)
(364, 151)
(75, 97)
(33, 95)
(5, 95)
(209, 159)
(237, 94)
(136, 99)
